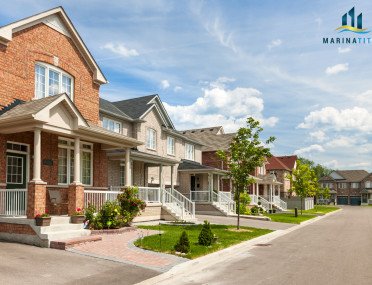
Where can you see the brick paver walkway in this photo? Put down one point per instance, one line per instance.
(120, 248)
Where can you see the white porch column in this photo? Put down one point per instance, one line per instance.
(77, 161)
(161, 176)
(128, 172)
(271, 197)
(218, 183)
(37, 156)
(172, 183)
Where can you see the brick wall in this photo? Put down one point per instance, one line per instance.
(42, 43)
(16, 229)
(100, 162)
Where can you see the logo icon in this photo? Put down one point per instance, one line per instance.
(351, 28)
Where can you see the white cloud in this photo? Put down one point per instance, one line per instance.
(177, 88)
(341, 142)
(341, 67)
(165, 84)
(215, 29)
(343, 50)
(309, 149)
(365, 99)
(318, 135)
(121, 49)
(221, 106)
(275, 43)
(355, 119)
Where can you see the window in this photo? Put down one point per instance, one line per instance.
(50, 80)
(66, 162)
(355, 185)
(151, 139)
(342, 185)
(111, 125)
(189, 148)
(327, 185)
(368, 184)
(170, 145)
(14, 172)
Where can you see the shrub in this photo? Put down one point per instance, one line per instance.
(245, 200)
(183, 244)
(110, 216)
(255, 210)
(129, 202)
(206, 236)
(90, 212)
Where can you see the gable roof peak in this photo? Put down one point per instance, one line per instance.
(61, 24)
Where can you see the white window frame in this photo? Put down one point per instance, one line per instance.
(114, 122)
(171, 148)
(368, 184)
(69, 146)
(353, 184)
(61, 74)
(151, 144)
(191, 147)
(342, 185)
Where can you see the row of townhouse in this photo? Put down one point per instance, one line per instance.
(349, 187)
(61, 145)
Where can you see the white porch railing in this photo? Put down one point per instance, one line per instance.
(228, 195)
(370, 201)
(280, 203)
(175, 201)
(13, 202)
(200, 196)
(254, 199)
(98, 198)
(264, 203)
(188, 204)
(224, 202)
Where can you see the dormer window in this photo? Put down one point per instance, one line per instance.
(50, 80)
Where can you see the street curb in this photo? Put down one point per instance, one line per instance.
(241, 250)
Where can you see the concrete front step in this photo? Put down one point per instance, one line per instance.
(60, 228)
(62, 235)
(57, 220)
(64, 244)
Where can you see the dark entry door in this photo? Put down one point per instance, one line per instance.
(193, 183)
(16, 175)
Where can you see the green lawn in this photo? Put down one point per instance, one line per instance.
(171, 234)
(289, 217)
(319, 210)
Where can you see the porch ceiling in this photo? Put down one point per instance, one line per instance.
(143, 157)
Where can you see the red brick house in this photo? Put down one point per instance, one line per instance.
(282, 166)
(50, 136)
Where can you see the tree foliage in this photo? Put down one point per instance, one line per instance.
(246, 152)
(183, 245)
(319, 169)
(206, 236)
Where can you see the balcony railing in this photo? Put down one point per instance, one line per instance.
(13, 202)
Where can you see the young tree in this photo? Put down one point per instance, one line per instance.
(304, 181)
(246, 152)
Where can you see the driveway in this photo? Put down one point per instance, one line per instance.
(337, 249)
(24, 264)
(245, 222)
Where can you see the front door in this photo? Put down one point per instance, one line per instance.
(192, 182)
(16, 175)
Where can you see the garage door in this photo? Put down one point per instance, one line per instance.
(342, 200)
(355, 200)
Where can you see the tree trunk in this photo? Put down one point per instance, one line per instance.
(238, 205)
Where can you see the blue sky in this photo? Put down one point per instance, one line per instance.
(217, 62)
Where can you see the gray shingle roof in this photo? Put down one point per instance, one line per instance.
(109, 108)
(191, 165)
(348, 175)
(210, 139)
(135, 107)
(30, 107)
